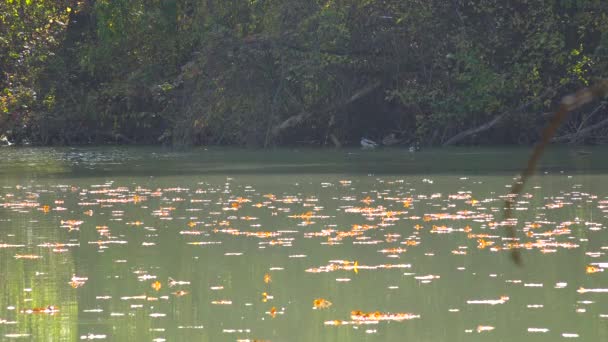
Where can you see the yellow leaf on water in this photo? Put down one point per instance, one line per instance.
(156, 285)
(321, 303)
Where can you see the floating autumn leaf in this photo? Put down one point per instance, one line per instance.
(71, 224)
(172, 282)
(321, 303)
(584, 290)
(267, 278)
(593, 269)
(180, 293)
(76, 282)
(482, 243)
(482, 328)
(501, 300)
(47, 310)
(336, 265)
(306, 216)
(425, 279)
(28, 256)
(397, 250)
(380, 316)
(90, 336)
(8, 245)
(140, 297)
(266, 297)
(410, 243)
(367, 200)
(156, 285)
(272, 312)
(135, 223)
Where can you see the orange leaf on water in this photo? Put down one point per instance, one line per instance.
(156, 285)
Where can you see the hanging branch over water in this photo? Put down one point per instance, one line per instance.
(583, 132)
(568, 104)
(486, 126)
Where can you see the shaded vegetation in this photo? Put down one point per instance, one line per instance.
(267, 72)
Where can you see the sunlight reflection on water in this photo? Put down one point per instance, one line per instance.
(294, 256)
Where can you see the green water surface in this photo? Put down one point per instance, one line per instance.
(423, 228)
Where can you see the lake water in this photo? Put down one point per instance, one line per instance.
(149, 244)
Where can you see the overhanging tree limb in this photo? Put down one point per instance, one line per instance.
(296, 119)
(460, 136)
(583, 132)
(568, 104)
(464, 134)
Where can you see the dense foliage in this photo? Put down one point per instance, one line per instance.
(268, 72)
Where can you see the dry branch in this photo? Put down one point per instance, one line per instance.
(460, 136)
(464, 134)
(585, 131)
(296, 119)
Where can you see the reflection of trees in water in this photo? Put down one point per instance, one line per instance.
(130, 319)
(31, 162)
(48, 280)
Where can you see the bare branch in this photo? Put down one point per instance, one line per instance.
(296, 119)
(585, 131)
(462, 135)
